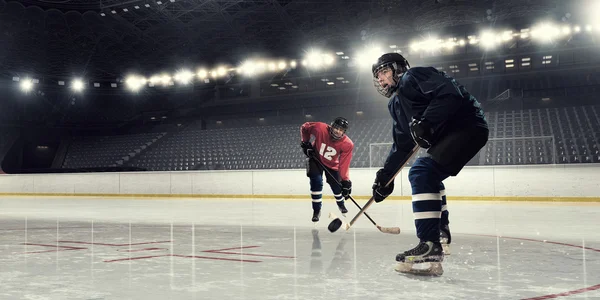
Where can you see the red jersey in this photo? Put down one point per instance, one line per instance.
(334, 154)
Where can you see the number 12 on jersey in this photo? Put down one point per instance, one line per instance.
(330, 151)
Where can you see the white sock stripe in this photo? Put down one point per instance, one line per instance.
(317, 200)
(443, 192)
(426, 196)
(316, 193)
(340, 200)
(337, 196)
(428, 215)
(444, 207)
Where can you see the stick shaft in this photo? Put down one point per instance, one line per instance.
(414, 151)
(338, 183)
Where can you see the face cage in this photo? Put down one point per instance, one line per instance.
(336, 137)
(389, 91)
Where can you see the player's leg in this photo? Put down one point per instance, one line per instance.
(425, 178)
(447, 157)
(445, 236)
(337, 190)
(315, 173)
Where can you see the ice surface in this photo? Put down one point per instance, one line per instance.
(94, 248)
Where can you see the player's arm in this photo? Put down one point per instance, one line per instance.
(306, 130)
(344, 169)
(401, 149)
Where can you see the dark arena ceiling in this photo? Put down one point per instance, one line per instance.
(105, 38)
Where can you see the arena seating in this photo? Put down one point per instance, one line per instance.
(535, 136)
(107, 151)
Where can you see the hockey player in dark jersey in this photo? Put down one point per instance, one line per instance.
(433, 110)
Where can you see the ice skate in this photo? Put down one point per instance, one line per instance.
(342, 208)
(316, 215)
(424, 252)
(445, 239)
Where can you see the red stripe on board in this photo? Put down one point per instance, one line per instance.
(569, 293)
(244, 247)
(250, 254)
(138, 250)
(113, 245)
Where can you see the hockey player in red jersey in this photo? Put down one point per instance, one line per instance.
(333, 149)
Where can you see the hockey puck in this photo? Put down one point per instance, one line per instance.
(334, 225)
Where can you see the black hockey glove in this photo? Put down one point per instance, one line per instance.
(346, 188)
(421, 132)
(308, 149)
(380, 191)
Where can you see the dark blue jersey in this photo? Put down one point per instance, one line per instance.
(431, 94)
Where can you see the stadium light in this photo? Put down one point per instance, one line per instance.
(316, 59)
(165, 79)
(487, 39)
(545, 32)
(369, 56)
(77, 85)
(26, 85)
(135, 83)
(282, 65)
(184, 76)
(293, 64)
(202, 73)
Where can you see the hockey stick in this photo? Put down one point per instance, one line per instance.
(337, 223)
(390, 230)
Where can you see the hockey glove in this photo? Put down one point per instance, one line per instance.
(308, 149)
(421, 132)
(380, 191)
(346, 188)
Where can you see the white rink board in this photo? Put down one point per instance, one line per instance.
(540, 181)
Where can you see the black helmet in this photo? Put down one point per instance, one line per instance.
(340, 123)
(397, 63)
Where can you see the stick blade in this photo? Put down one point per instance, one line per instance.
(390, 230)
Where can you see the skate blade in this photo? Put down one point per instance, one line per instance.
(434, 269)
(446, 248)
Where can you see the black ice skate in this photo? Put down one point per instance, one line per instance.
(316, 215)
(342, 208)
(424, 252)
(445, 239)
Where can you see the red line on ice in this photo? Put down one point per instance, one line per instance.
(138, 250)
(244, 247)
(249, 254)
(113, 245)
(135, 258)
(58, 248)
(569, 293)
(184, 256)
(552, 296)
(223, 251)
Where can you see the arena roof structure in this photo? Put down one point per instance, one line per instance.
(105, 38)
